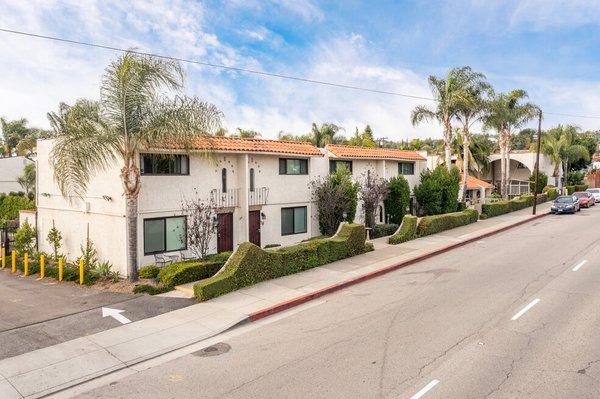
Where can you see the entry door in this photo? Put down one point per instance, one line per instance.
(254, 227)
(225, 232)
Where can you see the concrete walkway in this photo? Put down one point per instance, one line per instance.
(51, 369)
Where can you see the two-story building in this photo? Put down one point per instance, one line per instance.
(260, 189)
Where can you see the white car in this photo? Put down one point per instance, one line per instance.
(595, 192)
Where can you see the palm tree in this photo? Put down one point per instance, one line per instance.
(447, 92)
(559, 145)
(477, 153)
(134, 112)
(13, 132)
(328, 133)
(471, 106)
(505, 113)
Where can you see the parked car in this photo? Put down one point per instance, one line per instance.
(595, 192)
(565, 204)
(585, 199)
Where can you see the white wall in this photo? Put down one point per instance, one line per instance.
(11, 169)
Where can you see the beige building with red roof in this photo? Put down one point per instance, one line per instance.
(259, 187)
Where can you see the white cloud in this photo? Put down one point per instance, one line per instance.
(543, 14)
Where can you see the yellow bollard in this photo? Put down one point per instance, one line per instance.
(42, 266)
(13, 260)
(3, 257)
(26, 264)
(80, 271)
(60, 269)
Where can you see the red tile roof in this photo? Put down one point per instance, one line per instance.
(236, 144)
(474, 183)
(346, 151)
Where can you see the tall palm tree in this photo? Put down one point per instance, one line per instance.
(447, 92)
(471, 106)
(559, 145)
(506, 112)
(328, 133)
(139, 107)
(478, 153)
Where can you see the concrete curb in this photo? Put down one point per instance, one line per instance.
(280, 307)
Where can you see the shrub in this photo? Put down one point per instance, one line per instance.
(552, 193)
(150, 271)
(54, 238)
(542, 181)
(436, 223)
(502, 207)
(406, 232)
(581, 187)
(12, 204)
(150, 289)
(398, 199)
(438, 191)
(192, 270)
(576, 177)
(250, 264)
(382, 230)
(24, 238)
(570, 189)
(335, 196)
(495, 209)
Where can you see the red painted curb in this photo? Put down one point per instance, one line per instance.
(280, 307)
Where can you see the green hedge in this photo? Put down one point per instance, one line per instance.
(570, 189)
(495, 208)
(552, 193)
(524, 201)
(150, 271)
(434, 224)
(192, 270)
(581, 187)
(10, 205)
(382, 230)
(406, 232)
(250, 264)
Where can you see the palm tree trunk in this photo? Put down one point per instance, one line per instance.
(448, 144)
(466, 143)
(131, 211)
(503, 171)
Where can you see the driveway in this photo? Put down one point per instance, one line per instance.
(37, 314)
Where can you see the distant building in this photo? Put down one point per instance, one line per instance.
(11, 168)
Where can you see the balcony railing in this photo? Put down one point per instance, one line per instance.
(258, 196)
(225, 199)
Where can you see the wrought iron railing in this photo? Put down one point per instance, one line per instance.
(258, 196)
(225, 199)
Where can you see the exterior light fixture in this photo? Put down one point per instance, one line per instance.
(263, 216)
(45, 195)
(107, 198)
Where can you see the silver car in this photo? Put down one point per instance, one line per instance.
(595, 192)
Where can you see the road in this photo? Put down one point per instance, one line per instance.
(506, 317)
(36, 314)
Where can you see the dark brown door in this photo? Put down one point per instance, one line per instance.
(254, 227)
(225, 232)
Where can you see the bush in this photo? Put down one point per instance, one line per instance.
(436, 223)
(25, 238)
(502, 207)
(406, 232)
(382, 230)
(397, 200)
(495, 209)
(336, 195)
(250, 264)
(542, 181)
(192, 270)
(552, 193)
(581, 187)
(150, 271)
(570, 189)
(150, 289)
(438, 191)
(576, 177)
(12, 204)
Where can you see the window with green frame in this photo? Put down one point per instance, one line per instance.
(164, 235)
(336, 164)
(164, 164)
(293, 166)
(406, 168)
(293, 220)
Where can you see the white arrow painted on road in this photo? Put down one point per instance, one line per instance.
(115, 314)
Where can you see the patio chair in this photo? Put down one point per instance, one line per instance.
(161, 260)
(186, 255)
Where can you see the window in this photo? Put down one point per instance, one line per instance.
(164, 164)
(406, 168)
(335, 165)
(380, 214)
(164, 235)
(293, 220)
(288, 166)
(224, 180)
(252, 179)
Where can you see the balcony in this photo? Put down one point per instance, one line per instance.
(225, 199)
(258, 196)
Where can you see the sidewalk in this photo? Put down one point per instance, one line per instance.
(51, 369)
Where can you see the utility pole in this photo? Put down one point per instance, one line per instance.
(537, 162)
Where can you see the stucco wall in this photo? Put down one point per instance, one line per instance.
(11, 169)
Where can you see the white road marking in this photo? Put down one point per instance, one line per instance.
(526, 308)
(425, 389)
(578, 266)
(115, 314)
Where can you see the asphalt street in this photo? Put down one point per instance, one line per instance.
(516, 315)
(36, 314)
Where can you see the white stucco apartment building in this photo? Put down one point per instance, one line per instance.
(260, 188)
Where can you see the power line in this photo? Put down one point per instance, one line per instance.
(246, 70)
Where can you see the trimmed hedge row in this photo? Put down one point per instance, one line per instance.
(552, 193)
(192, 270)
(382, 230)
(524, 201)
(250, 264)
(406, 232)
(578, 187)
(436, 223)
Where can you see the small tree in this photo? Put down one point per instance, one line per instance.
(27, 181)
(89, 254)
(398, 199)
(201, 225)
(54, 238)
(25, 238)
(542, 182)
(342, 177)
(438, 191)
(372, 192)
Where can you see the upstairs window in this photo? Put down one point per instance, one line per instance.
(164, 164)
(289, 166)
(406, 168)
(224, 180)
(252, 179)
(335, 165)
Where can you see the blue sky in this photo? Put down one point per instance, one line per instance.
(549, 48)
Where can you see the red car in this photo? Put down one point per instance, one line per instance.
(585, 199)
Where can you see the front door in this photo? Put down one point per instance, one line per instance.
(225, 232)
(254, 227)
